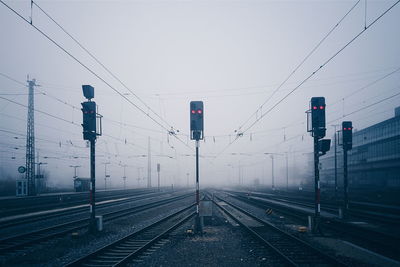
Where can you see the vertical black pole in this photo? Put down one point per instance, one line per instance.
(345, 183)
(93, 186)
(197, 177)
(316, 226)
(336, 186)
(158, 181)
(272, 172)
(198, 222)
(287, 172)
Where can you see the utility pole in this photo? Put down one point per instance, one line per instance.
(138, 178)
(272, 170)
(30, 141)
(105, 175)
(158, 174)
(287, 172)
(39, 176)
(75, 170)
(149, 165)
(240, 174)
(124, 178)
(187, 180)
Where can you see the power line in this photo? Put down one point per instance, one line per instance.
(321, 66)
(42, 112)
(100, 63)
(239, 134)
(300, 64)
(368, 106)
(170, 131)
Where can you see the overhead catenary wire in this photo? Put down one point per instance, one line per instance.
(67, 121)
(100, 63)
(169, 131)
(300, 64)
(327, 61)
(339, 118)
(321, 66)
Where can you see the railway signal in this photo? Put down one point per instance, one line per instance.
(196, 120)
(197, 133)
(347, 144)
(318, 116)
(90, 133)
(316, 126)
(89, 119)
(347, 133)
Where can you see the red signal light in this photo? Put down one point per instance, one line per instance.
(315, 107)
(199, 111)
(321, 107)
(193, 112)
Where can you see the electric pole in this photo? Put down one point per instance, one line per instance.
(124, 178)
(149, 165)
(335, 152)
(105, 175)
(158, 174)
(30, 141)
(287, 172)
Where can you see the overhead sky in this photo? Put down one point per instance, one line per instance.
(233, 55)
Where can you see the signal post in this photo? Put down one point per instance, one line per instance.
(197, 133)
(347, 144)
(321, 146)
(90, 132)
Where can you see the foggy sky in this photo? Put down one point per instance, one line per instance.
(230, 54)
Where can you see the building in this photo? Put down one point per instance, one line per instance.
(374, 161)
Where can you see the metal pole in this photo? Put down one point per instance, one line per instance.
(287, 172)
(198, 223)
(93, 186)
(105, 176)
(30, 141)
(197, 178)
(336, 185)
(345, 183)
(149, 165)
(272, 171)
(187, 180)
(158, 181)
(124, 177)
(317, 187)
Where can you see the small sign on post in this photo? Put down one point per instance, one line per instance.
(21, 169)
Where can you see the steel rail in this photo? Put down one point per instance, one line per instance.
(124, 250)
(285, 255)
(20, 241)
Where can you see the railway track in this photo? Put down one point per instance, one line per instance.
(129, 248)
(290, 249)
(384, 244)
(74, 210)
(17, 206)
(358, 210)
(22, 241)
